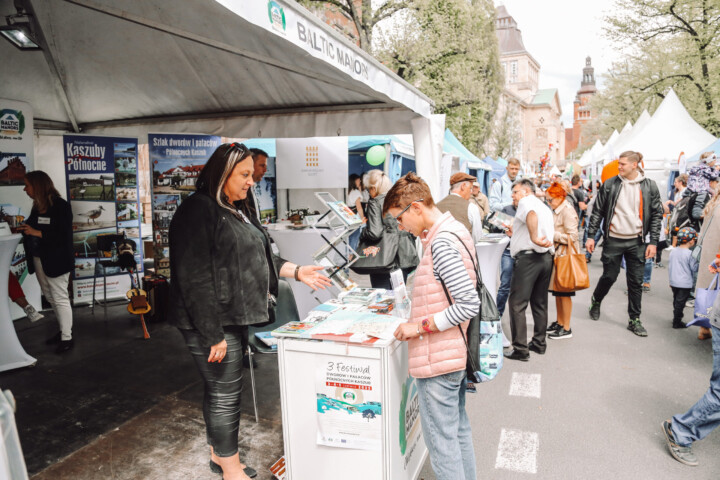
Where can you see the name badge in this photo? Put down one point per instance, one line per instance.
(44, 220)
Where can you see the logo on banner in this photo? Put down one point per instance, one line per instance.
(312, 156)
(277, 16)
(12, 122)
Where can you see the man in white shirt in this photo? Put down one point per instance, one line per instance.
(501, 191)
(531, 247)
(459, 205)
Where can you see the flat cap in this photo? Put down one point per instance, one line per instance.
(461, 177)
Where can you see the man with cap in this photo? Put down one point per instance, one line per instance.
(459, 205)
(480, 199)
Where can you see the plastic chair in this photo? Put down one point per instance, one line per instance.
(285, 311)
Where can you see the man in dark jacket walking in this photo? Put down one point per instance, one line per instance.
(630, 206)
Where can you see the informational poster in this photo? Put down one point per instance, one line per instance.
(16, 159)
(317, 162)
(102, 187)
(177, 160)
(349, 403)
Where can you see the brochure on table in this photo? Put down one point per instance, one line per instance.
(16, 159)
(102, 188)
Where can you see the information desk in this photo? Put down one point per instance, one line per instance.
(349, 410)
(12, 354)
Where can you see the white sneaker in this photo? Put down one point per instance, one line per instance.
(32, 314)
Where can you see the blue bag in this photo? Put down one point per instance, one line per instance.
(704, 300)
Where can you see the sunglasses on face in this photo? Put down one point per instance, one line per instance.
(397, 217)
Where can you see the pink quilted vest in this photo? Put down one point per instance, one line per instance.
(440, 352)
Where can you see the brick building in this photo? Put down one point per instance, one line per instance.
(582, 113)
(13, 173)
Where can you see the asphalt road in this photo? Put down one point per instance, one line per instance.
(594, 403)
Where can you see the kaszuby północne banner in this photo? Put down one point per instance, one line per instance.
(102, 187)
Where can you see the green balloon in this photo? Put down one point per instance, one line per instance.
(375, 155)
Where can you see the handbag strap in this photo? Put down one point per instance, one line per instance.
(478, 275)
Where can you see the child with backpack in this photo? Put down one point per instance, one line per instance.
(682, 268)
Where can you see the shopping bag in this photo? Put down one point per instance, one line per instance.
(704, 300)
(484, 340)
(571, 272)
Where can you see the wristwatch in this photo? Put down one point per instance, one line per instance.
(426, 325)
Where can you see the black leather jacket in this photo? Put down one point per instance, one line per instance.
(221, 269)
(604, 208)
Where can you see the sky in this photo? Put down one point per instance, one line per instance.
(559, 34)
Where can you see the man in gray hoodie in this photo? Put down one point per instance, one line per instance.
(630, 207)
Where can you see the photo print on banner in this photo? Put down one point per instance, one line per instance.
(102, 187)
(177, 161)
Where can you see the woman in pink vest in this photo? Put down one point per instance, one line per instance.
(436, 348)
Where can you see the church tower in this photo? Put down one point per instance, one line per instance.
(581, 107)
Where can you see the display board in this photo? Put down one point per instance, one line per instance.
(177, 160)
(316, 162)
(102, 188)
(16, 159)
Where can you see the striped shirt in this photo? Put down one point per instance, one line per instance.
(449, 267)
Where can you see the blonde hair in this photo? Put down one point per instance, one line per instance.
(43, 190)
(378, 180)
(704, 157)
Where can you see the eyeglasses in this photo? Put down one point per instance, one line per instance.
(397, 217)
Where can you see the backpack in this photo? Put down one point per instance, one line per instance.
(682, 215)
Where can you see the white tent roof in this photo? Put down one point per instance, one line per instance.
(224, 67)
(628, 126)
(671, 130)
(642, 120)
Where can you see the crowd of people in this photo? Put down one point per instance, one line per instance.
(225, 275)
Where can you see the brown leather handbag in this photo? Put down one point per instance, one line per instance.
(571, 272)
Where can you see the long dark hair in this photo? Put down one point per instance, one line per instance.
(351, 182)
(44, 191)
(217, 170)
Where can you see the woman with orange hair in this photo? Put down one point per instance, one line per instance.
(566, 231)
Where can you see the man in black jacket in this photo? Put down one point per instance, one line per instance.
(630, 206)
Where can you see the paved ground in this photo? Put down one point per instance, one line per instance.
(599, 398)
(124, 408)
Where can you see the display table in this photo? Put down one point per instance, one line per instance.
(349, 410)
(297, 246)
(12, 354)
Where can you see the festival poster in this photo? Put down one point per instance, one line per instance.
(177, 160)
(102, 187)
(349, 403)
(16, 159)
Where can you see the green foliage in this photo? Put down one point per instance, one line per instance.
(448, 49)
(665, 43)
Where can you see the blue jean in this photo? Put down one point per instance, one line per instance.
(506, 269)
(446, 426)
(647, 273)
(704, 416)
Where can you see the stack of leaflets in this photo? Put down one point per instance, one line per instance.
(267, 339)
(500, 220)
(361, 296)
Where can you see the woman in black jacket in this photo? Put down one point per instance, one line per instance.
(378, 227)
(224, 277)
(49, 250)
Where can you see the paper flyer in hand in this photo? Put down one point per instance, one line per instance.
(349, 403)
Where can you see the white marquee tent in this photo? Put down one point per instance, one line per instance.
(226, 67)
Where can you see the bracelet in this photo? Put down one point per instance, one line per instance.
(418, 330)
(426, 325)
(297, 272)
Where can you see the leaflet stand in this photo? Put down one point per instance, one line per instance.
(342, 222)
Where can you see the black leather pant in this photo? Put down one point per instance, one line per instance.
(223, 385)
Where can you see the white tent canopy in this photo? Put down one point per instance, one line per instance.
(642, 120)
(670, 131)
(226, 67)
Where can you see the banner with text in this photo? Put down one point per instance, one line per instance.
(317, 162)
(102, 188)
(16, 159)
(177, 160)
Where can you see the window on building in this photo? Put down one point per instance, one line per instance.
(513, 71)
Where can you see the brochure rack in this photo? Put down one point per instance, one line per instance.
(335, 227)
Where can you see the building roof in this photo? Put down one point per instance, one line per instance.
(544, 97)
(509, 37)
